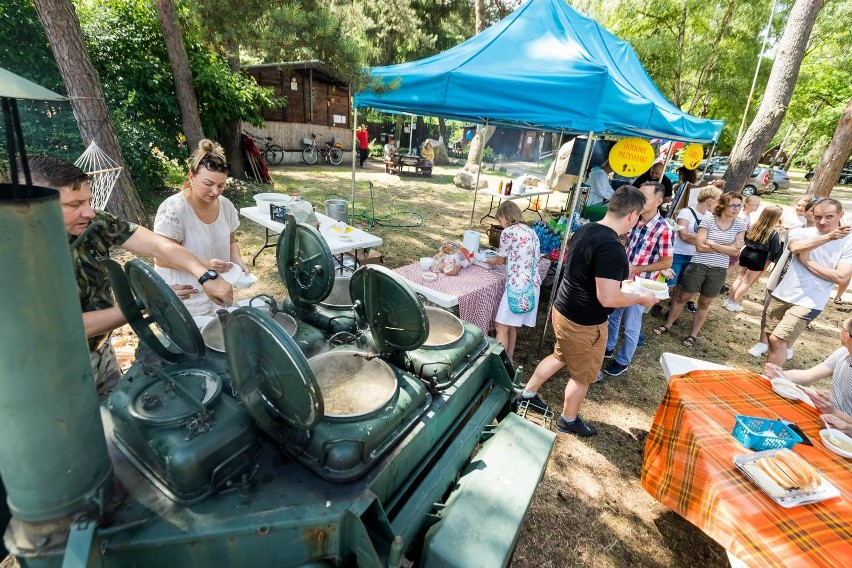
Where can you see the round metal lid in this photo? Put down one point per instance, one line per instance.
(161, 403)
(305, 264)
(270, 373)
(396, 317)
(145, 299)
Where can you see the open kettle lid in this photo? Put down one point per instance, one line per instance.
(305, 264)
(144, 299)
(396, 317)
(271, 375)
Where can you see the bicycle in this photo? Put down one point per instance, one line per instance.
(331, 152)
(272, 153)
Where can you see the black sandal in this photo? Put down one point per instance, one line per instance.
(661, 330)
(690, 341)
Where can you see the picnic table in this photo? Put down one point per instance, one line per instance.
(688, 466)
(413, 162)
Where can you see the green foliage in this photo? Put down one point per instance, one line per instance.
(48, 128)
(126, 47)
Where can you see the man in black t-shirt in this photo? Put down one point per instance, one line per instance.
(591, 289)
(655, 174)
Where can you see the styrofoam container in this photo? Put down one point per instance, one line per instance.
(264, 199)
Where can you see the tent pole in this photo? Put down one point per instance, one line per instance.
(478, 171)
(354, 153)
(574, 200)
(411, 136)
(712, 150)
(669, 154)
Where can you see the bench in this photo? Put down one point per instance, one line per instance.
(397, 166)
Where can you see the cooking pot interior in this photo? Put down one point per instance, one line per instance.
(350, 385)
(339, 297)
(214, 339)
(444, 327)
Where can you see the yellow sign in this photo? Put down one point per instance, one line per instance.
(631, 157)
(692, 156)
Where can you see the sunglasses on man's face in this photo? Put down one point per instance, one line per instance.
(214, 166)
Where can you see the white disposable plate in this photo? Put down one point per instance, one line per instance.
(233, 274)
(430, 276)
(245, 281)
(344, 237)
(786, 389)
(831, 437)
(785, 498)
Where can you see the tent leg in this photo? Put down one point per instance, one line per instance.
(712, 150)
(478, 171)
(574, 200)
(354, 157)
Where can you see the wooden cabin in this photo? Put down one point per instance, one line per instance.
(314, 102)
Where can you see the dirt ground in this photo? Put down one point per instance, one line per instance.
(589, 509)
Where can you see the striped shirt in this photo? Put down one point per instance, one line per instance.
(720, 237)
(841, 379)
(648, 242)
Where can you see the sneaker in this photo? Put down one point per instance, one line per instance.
(690, 307)
(609, 353)
(534, 403)
(656, 311)
(615, 369)
(758, 350)
(641, 341)
(789, 353)
(577, 427)
(725, 289)
(732, 306)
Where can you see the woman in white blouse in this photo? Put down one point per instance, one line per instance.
(202, 220)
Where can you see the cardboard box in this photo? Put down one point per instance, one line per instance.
(372, 257)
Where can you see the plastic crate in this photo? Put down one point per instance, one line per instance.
(763, 433)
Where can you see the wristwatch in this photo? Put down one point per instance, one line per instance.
(209, 275)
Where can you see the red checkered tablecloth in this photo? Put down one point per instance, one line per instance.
(479, 290)
(688, 467)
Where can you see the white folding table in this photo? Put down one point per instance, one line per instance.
(338, 246)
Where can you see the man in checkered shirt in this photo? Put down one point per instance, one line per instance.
(649, 250)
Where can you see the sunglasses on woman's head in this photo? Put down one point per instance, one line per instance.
(214, 166)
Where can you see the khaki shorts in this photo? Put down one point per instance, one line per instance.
(580, 347)
(105, 369)
(787, 321)
(702, 278)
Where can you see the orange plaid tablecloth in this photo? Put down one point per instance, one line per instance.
(688, 467)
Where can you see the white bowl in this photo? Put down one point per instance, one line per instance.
(201, 321)
(426, 262)
(344, 237)
(264, 199)
(837, 442)
(430, 276)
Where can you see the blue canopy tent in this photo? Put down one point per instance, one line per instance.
(543, 67)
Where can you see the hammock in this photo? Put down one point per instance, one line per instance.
(103, 174)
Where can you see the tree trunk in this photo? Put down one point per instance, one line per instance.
(87, 99)
(479, 15)
(233, 143)
(184, 88)
(678, 70)
(834, 157)
(779, 90)
(710, 64)
(804, 138)
(442, 132)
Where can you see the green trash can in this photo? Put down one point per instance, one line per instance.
(594, 212)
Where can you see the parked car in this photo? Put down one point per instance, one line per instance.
(844, 178)
(715, 161)
(781, 181)
(760, 182)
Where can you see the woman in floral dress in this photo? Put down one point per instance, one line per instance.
(519, 251)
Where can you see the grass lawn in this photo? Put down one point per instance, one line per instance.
(590, 509)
